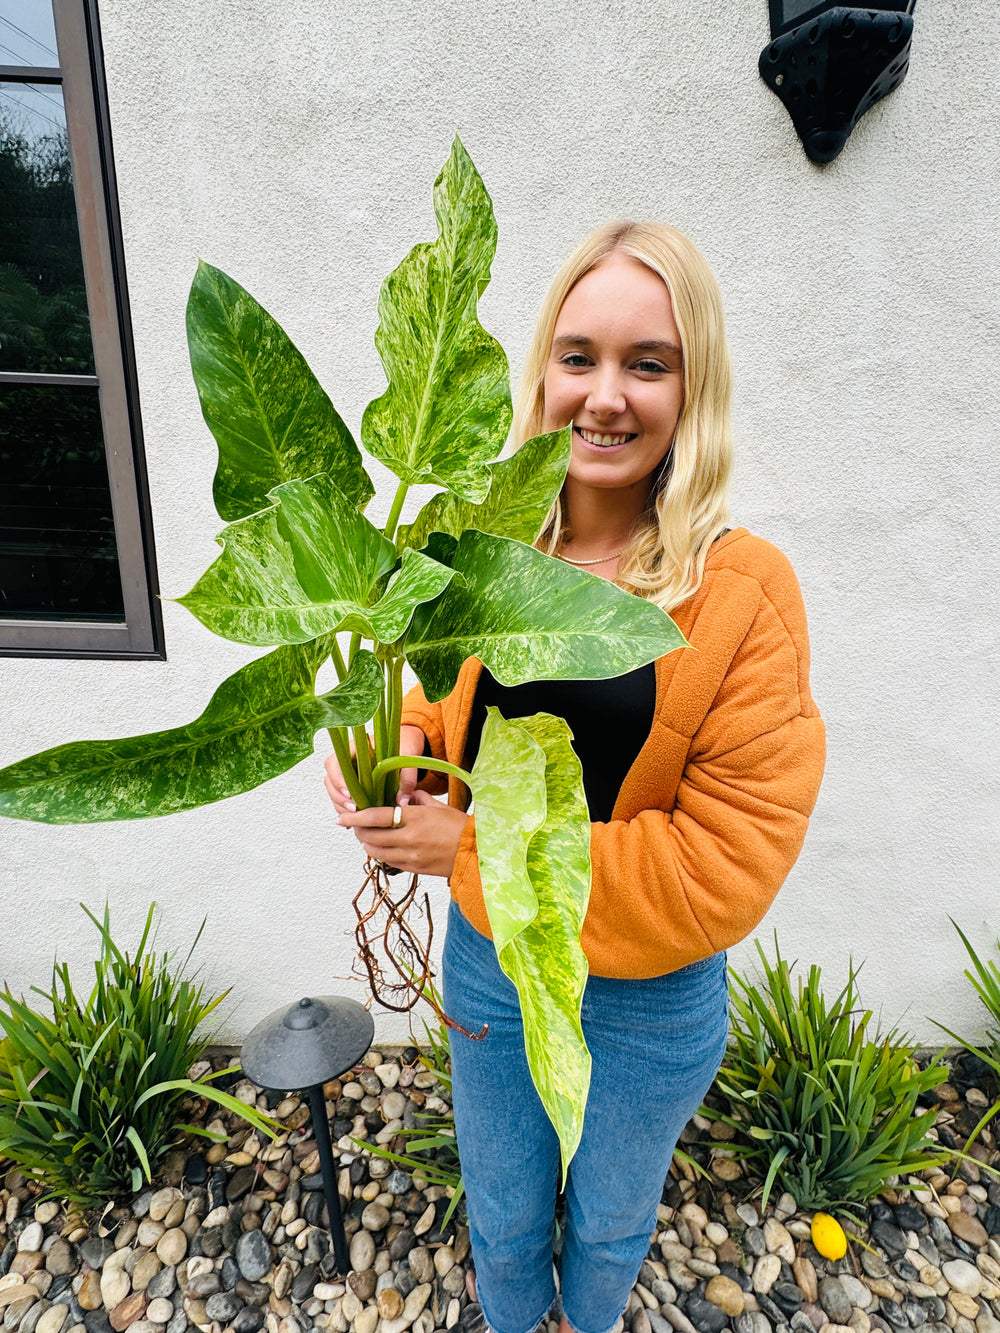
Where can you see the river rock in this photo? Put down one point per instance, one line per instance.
(89, 1293)
(254, 1256)
(754, 1242)
(857, 1293)
(115, 1286)
(421, 1263)
(172, 1246)
(726, 1294)
(390, 1303)
(766, 1272)
(968, 1228)
(675, 1318)
(31, 1237)
(59, 1258)
(223, 1306)
(375, 1217)
(706, 1317)
(962, 1276)
(778, 1240)
(126, 1312)
(834, 1300)
(752, 1321)
(362, 1251)
(805, 1276)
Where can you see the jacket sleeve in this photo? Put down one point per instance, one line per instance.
(672, 885)
(417, 712)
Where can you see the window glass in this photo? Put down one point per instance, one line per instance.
(58, 558)
(27, 33)
(43, 302)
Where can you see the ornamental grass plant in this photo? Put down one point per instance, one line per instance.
(985, 980)
(823, 1103)
(92, 1097)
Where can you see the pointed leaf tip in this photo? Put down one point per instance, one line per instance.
(446, 411)
(272, 420)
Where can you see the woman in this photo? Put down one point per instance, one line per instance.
(701, 771)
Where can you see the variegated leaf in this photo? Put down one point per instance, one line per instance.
(508, 784)
(270, 417)
(536, 883)
(259, 723)
(527, 616)
(310, 565)
(447, 409)
(523, 489)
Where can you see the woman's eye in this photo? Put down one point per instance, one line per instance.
(649, 367)
(575, 360)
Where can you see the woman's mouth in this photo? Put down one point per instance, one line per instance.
(601, 440)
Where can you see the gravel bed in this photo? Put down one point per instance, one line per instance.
(233, 1239)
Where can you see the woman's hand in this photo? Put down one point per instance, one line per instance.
(411, 741)
(423, 842)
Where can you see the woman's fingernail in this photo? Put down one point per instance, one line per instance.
(352, 807)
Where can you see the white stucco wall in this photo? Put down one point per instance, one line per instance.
(295, 146)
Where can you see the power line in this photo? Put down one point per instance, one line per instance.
(23, 106)
(41, 45)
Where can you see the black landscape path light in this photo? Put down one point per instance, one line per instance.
(831, 63)
(304, 1045)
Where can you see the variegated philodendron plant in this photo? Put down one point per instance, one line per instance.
(305, 573)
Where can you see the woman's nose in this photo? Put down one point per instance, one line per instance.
(607, 395)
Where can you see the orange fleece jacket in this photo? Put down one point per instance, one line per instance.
(713, 812)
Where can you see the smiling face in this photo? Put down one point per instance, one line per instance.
(616, 371)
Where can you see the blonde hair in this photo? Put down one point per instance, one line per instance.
(664, 560)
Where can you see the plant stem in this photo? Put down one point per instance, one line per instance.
(342, 749)
(394, 702)
(338, 661)
(389, 530)
(363, 759)
(383, 743)
(420, 761)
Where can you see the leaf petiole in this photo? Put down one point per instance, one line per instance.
(342, 749)
(420, 761)
(397, 508)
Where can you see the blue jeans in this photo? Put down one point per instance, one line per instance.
(656, 1046)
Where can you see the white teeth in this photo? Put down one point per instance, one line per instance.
(605, 440)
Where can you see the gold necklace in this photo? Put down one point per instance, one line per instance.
(602, 559)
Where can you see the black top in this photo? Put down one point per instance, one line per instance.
(610, 721)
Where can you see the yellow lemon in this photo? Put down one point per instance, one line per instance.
(828, 1236)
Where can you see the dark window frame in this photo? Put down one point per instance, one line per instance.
(81, 74)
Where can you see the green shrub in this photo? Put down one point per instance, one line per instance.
(90, 1098)
(823, 1106)
(985, 980)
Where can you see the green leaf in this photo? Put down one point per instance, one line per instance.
(259, 723)
(523, 489)
(263, 404)
(140, 1150)
(534, 859)
(446, 411)
(527, 616)
(308, 566)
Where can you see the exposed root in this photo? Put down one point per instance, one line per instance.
(395, 958)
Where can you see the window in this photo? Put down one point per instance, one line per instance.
(77, 574)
